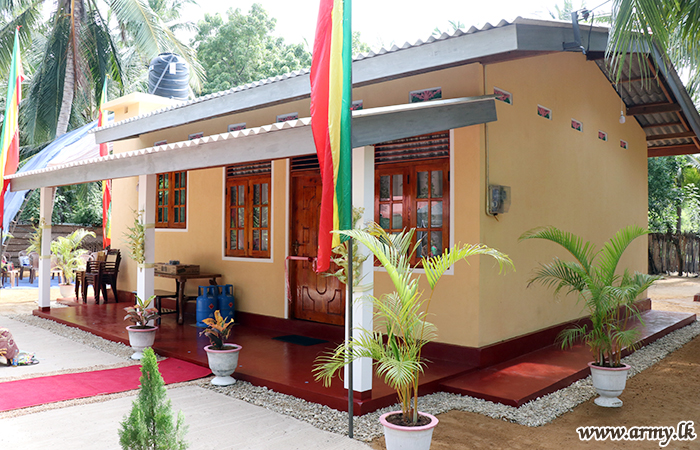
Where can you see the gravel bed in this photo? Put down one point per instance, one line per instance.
(535, 413)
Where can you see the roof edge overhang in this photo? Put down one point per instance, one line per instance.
(503, 42)
(274, 141)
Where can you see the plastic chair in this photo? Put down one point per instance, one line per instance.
(110, 272)
(93, 276)
(25, 263)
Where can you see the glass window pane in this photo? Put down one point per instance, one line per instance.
(436, 183)
(165, 214)
(232, 245)
(232, 196)
(397, 217)
(241, 195)
(435, 243)
(241, 217)
(421, 214)
(256, 239)
(182, 214)
(264, 217)
(422, 184)
(422, 237)
(160, 198)
(398, 187)
(176, 215)
(232, 219)
(265, 193)
(256, 194)
(264, 240)
(165, 198)
(241, 241)
(256, 217)
(177, 180)
(436, 215)
(384, 187)
(161, 182)
(160, 214)
(177, 198)
(384, 216)
(183, 179)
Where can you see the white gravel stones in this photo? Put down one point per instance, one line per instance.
(535, 413)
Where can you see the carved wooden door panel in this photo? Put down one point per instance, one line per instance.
(315, 297)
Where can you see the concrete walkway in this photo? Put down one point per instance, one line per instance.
(214, 420)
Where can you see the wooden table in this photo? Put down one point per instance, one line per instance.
(180, 282)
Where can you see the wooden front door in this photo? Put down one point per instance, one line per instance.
(315, 297)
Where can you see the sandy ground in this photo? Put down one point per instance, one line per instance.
(663, 395)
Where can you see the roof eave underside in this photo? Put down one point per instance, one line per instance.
(503, 42)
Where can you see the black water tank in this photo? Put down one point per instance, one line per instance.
(169, 76)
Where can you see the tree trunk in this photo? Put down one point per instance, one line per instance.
(679, 251)
(68, 94)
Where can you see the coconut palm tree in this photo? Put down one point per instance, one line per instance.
(80, 52)
(671, 25)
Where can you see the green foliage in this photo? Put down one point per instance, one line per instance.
(136, 239)
(609, 297)
(401, 315)
(75, 204)
(150, 424)
(67, 252)
(340, 257)
(35, 238)
(241, 49)
(218, 330)
(140, 314)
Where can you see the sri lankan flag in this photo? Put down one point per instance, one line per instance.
(106, 184)
(331, 98)
(9, 143)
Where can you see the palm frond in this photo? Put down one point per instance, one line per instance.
(613, 250)
(436, 266)
(584, 252)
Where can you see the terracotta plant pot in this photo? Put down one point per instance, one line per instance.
(609, 382)
(140, 339)
(408, 438)
(223, 363)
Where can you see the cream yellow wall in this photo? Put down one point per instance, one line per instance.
(558, 176)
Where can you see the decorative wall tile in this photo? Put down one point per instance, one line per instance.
(425, 95)
(197, 135)
(544, 112)
(623, 144)
(236, 127)
(577, 125)
(357, 105)
(504, 96)
(602, 135)
(287, 117)
(163, 142)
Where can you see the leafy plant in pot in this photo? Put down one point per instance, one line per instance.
(222, 356)
(401, 329)
(67, 252)
(141, 334)
(608, 296)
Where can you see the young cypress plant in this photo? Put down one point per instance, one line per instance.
(150, 425)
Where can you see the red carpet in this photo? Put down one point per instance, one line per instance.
(38, 391)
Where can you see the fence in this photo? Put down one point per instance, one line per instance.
(664, 255)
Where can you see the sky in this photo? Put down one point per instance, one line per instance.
(389, 22)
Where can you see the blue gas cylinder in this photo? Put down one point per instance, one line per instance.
(226, 302)
(206, 304)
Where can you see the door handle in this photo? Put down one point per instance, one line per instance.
(295, 247)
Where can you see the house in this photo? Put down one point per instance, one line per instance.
(440, 122)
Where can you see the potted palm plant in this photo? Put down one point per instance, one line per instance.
(401, 317)
(67, 252)
(222, 356)
(141, 334)
(608, 296)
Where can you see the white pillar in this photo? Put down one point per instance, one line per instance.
(44, 275)
(363, 196)
(147, 205)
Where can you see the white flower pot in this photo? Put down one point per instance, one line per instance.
(609, 382)
(223, 363)
(140, 339)
(67, 290)
(408, 438)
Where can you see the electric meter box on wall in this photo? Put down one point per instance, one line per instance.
(499, 199)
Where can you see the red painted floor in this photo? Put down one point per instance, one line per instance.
(287, 368)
